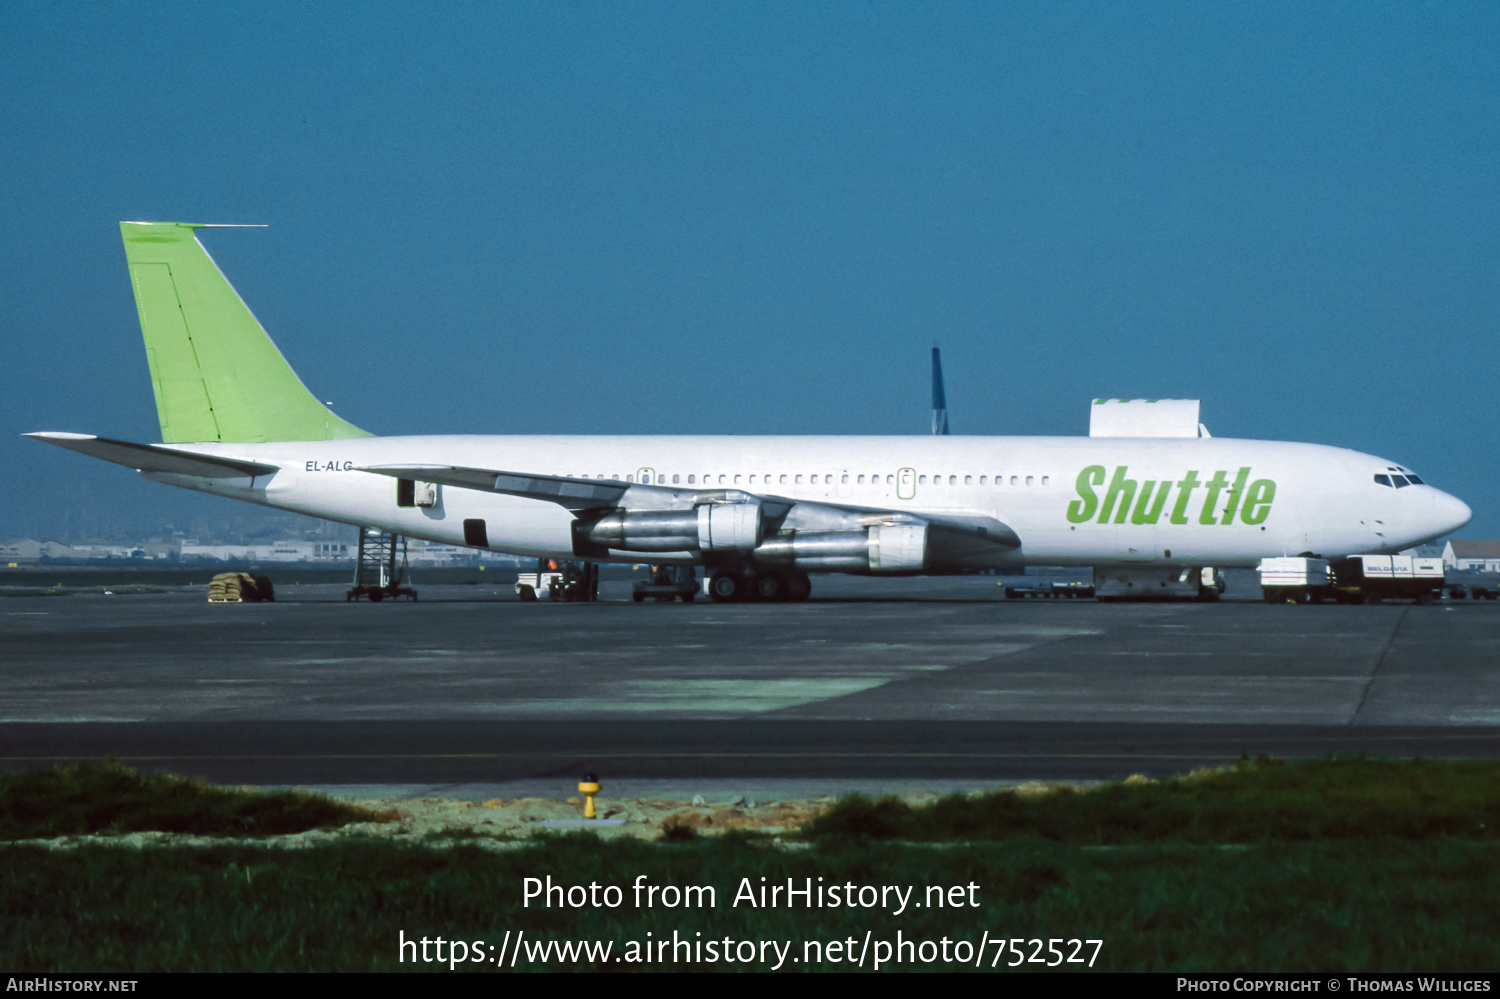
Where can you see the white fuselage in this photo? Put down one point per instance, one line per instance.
(1070, 500)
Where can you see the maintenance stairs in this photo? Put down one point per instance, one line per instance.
(377, 572)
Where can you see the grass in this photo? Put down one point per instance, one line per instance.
(1390, 906)
(1322, 866)
(109, 798)
(1255, 801)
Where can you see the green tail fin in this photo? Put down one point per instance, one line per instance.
(217, 375)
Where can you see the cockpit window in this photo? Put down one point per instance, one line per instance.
(1414, 480)
(1384, 480)
(1400, 481)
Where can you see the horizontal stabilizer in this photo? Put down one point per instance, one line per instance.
(155, 458)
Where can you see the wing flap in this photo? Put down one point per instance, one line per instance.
(155, 458)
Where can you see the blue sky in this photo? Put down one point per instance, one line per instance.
(757, 218)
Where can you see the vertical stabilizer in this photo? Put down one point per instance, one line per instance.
(939, 399)
(217, 375)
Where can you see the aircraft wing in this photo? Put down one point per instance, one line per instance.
(575, 494)
(957, 530)
(155, 458)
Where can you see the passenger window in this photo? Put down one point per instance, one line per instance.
(890, 480)
(1028, 480)
(968, 480)
(752, 480)
(1046, 479)
(861, 481)
(676, 479)
(692, 479)
(981, 479)
(921, 480)
(783, 480)
(721, 480)
(952, 480)
(846, 480)
(630, 478)
(1015, 480)
(799, 480)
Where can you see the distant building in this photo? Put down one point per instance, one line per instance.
(25, 550)
(271, 551)
(1474, 556)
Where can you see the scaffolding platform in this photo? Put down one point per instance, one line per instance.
(377, 572)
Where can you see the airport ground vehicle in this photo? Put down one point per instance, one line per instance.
(537, 585)
(1049, 589)
(1148, 497)
(667, 583)
(1357, 579)
(1472, 585)
(1295, 580)
(1120, 583)
(568, 581)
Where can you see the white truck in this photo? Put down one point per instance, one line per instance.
(1373, 578)
(1295, 580)
(1357, 579)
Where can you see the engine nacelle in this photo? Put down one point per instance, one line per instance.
(898, 547)
(646, 530)
(711, 527)
(882, 548)
(820, 551)
(730, 526)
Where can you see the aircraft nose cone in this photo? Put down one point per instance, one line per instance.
(1449, 513)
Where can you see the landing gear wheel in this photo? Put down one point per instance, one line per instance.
(798, 586)
(770, 586)
(376, 596)
(723, 587)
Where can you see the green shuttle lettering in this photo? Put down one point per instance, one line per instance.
(1258, 501)
(1215, 485)
(1235, 491)
(1119, 486)
(1143, 502)
(1184, 491)
(1082, 508)
(1140, 515)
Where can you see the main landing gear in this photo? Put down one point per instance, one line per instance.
(728, 586)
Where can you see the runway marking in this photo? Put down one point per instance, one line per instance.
(736, 697)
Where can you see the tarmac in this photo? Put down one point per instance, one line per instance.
(873, 685)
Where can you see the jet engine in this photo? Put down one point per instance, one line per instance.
(709, 527)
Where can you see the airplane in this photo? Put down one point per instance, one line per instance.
(1148, 493)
